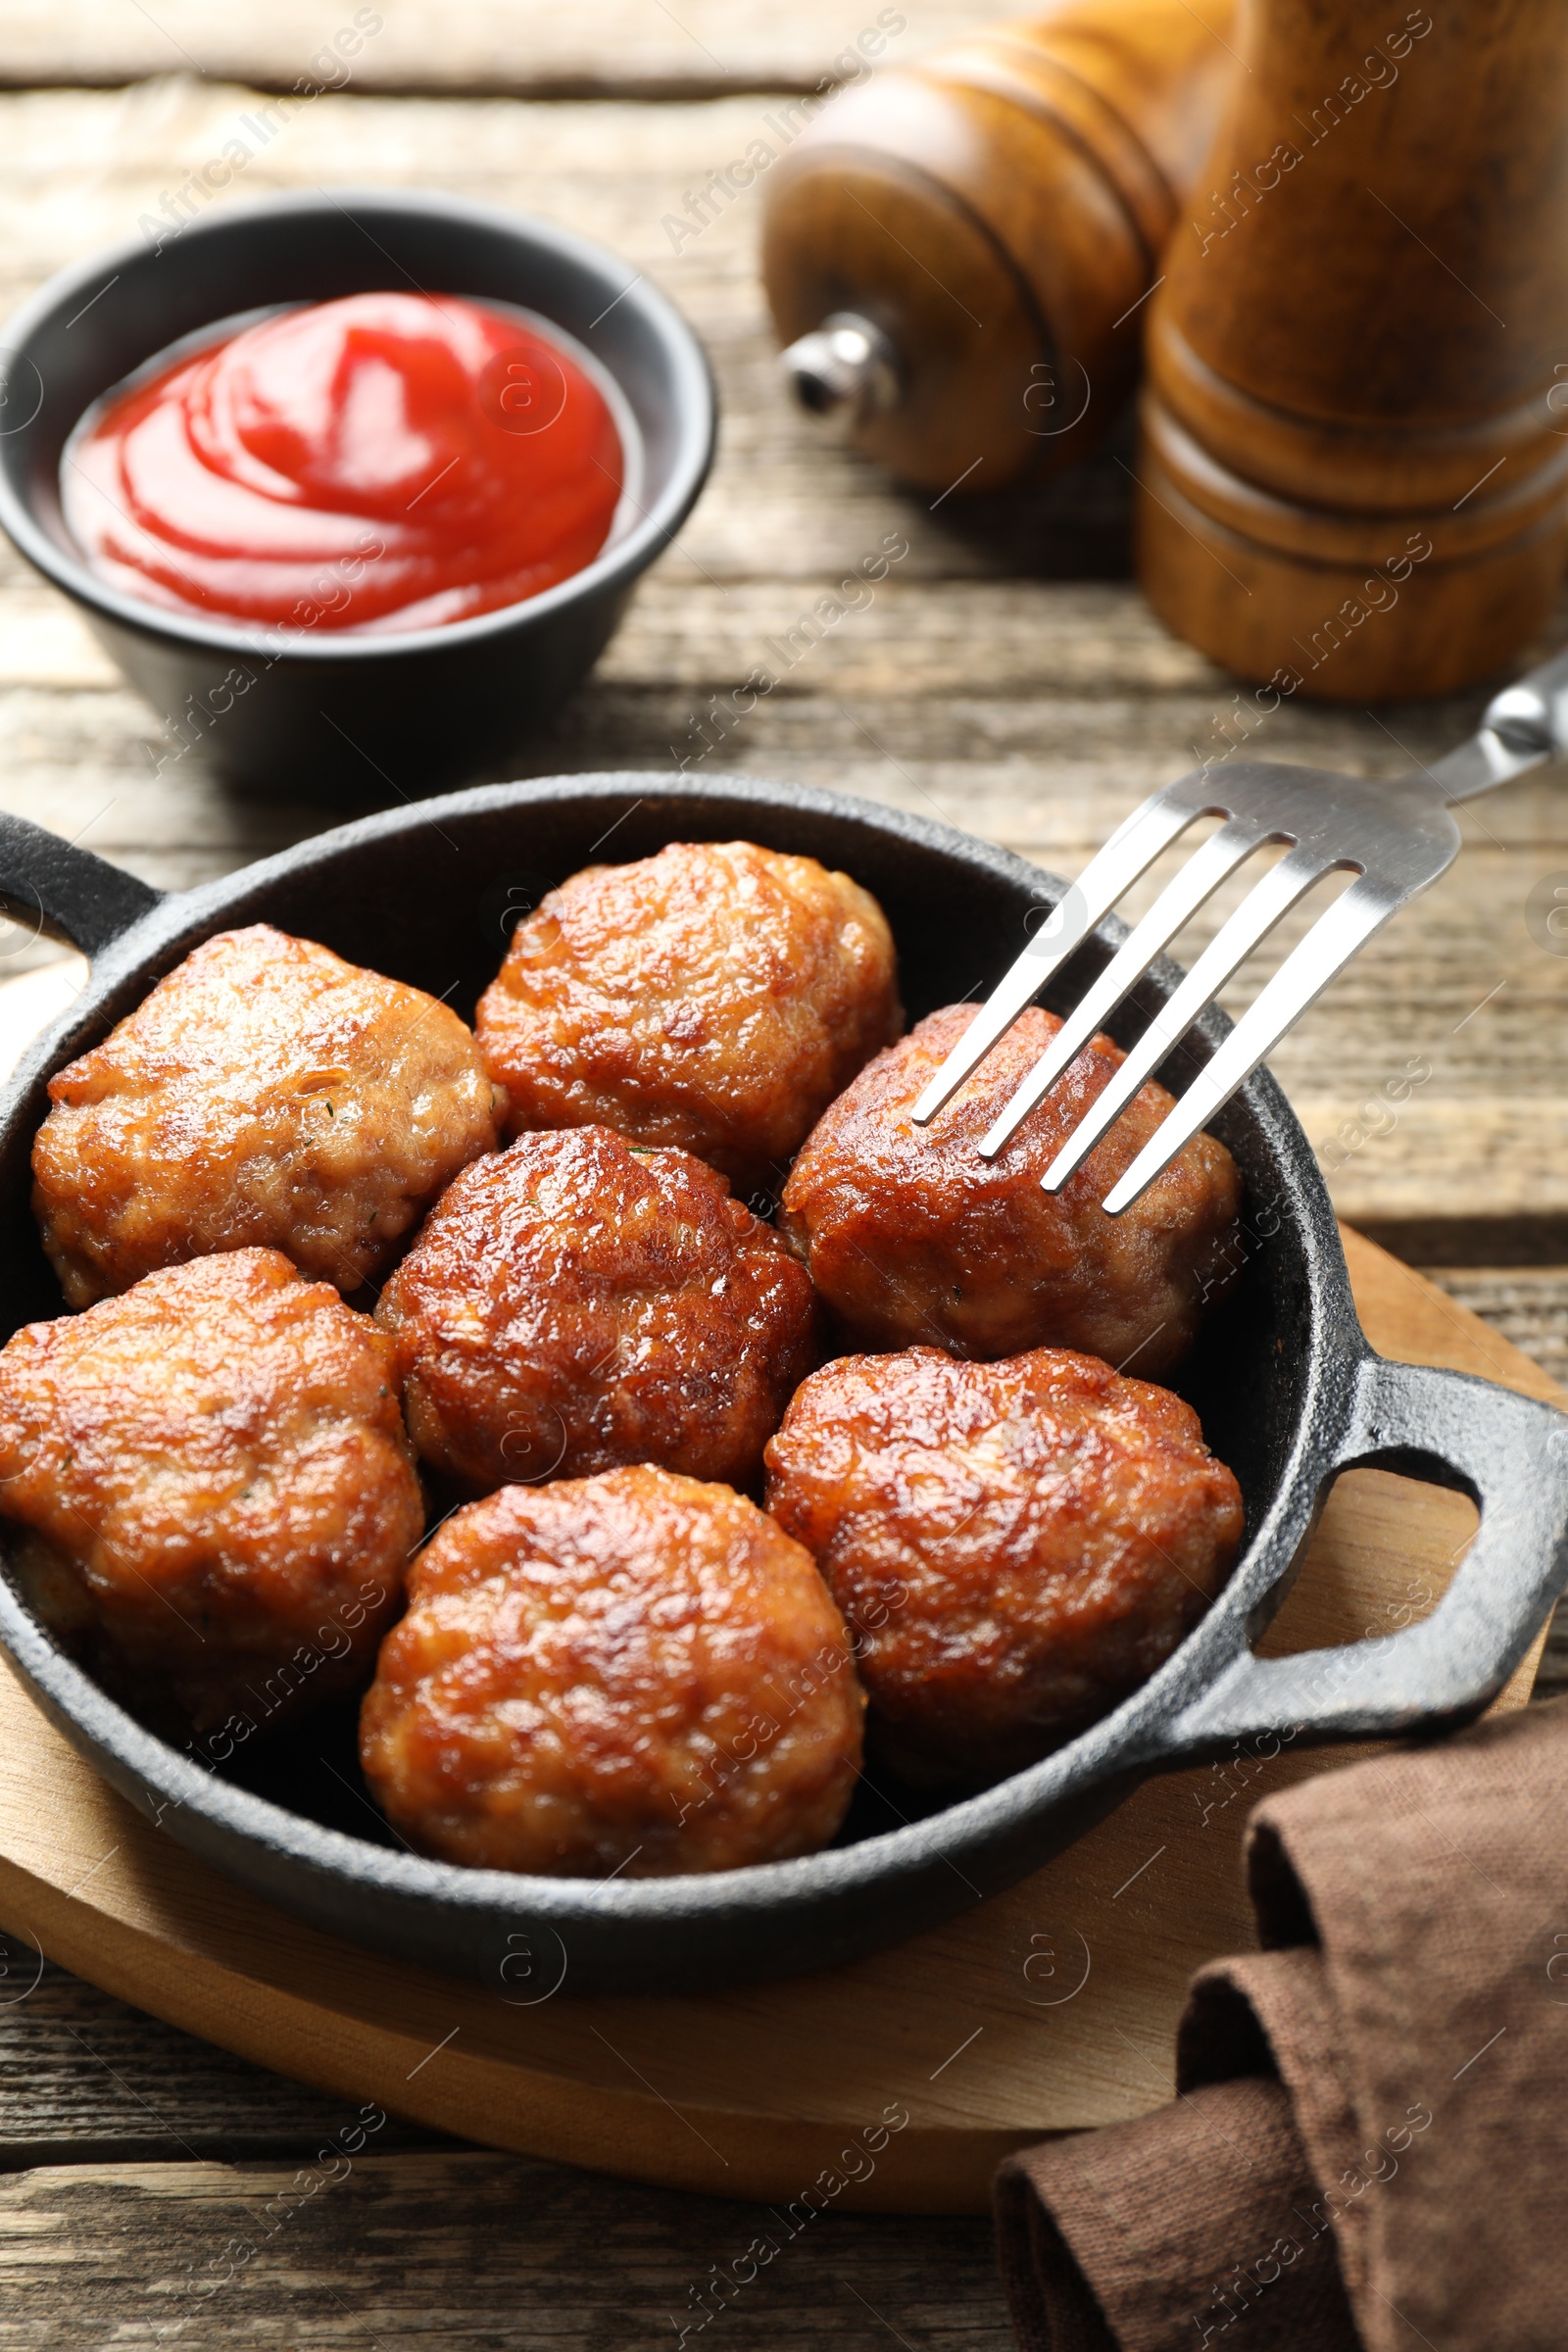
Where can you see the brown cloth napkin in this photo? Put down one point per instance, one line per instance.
(1369, 2144)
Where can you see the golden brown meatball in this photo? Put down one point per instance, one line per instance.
(912, 1237)
(630, 1672)
(578, 1302)
(265, 1094)
(1015, 1546)
(222, 1494)
(714, 998)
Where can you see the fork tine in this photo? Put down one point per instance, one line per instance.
(1183, 895)
(1134, 846)
(1265, 903)
(1306, 971)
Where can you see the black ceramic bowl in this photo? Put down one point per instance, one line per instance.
(334, 714)
(1287, 1386)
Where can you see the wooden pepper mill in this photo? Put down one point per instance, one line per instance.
(1352, 466)
(955, 250)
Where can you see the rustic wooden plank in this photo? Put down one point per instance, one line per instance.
(85, 2075)
(1551, 1675)
(1527, 1304)
(468, 2253)
(637, 48)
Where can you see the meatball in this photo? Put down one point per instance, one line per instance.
(714, 998)
(1015, 1546)
(912, 1237)
(221, 1497)
(267, 1093)
(632, 1673)
(577, 1303)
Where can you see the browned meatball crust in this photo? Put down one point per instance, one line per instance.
(634, 1672)
(222, 1497)
(1015, 1546)
(267, 1093)
(577, 1303)
(714, 998)
(912, 1237)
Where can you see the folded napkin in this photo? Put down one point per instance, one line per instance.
(1369, 2143)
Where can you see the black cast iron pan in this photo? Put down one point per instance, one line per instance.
(1288, 1391)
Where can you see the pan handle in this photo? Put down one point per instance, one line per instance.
(1509, 1454)
(56, 887)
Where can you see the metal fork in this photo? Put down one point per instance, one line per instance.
(1396, 837)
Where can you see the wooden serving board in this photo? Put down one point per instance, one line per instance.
(1047, 2008)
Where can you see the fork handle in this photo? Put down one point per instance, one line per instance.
(1510, 1454)
(1521, 728)
(1532, 714)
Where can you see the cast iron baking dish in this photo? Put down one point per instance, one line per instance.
(1288, 1391)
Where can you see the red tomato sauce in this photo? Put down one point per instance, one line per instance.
(387, 461)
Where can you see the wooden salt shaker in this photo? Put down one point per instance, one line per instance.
(1355, 430)
(955, 250)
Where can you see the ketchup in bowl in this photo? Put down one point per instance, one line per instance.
(389, 462)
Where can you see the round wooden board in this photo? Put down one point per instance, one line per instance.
(1046, 2009)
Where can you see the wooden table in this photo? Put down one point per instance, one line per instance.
(1006, 677)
